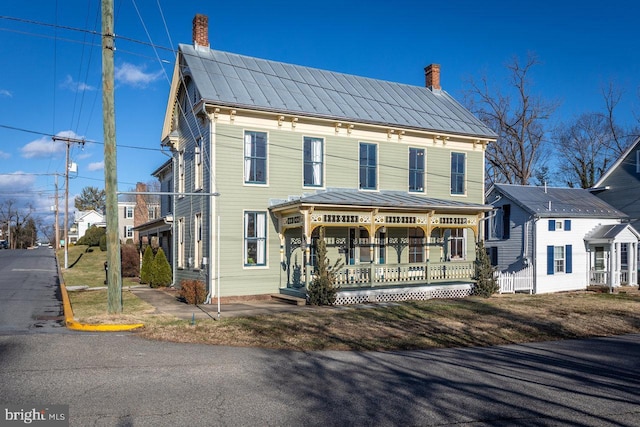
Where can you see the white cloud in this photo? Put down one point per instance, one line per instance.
(95, 166)
(45, 146)
(4, 155)
(16, 181)
(134, 75)
(4, 92)
(70, 84)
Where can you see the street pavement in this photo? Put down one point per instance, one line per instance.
(120, 379)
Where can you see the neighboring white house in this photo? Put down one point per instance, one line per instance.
(565, 237)
(83, 220)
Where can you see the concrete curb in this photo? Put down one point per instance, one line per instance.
(86, 327)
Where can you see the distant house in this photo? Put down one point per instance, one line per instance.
(266, 153)
(566, 237)
(82, 221)
(156, 230)
(620, 184)
(126, 222)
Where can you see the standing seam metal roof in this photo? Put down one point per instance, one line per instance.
(564, 202)
(242, 81)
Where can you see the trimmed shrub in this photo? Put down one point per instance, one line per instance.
(193, 291)
(130, 261)
(486, 284)
(103, 243)
(323, 290)
(147, 265)
(160, 271)
(92, 236)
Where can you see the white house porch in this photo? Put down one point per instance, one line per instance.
(612, 252)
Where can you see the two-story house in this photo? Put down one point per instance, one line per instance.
(266, 153)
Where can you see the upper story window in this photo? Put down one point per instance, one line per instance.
(181, 172)
(368, 166)
(416, 169)
(197, 165)
(638, 161)
(255, 157)
(499, 224)
(458, 173)
(128, 212)
(313, 156)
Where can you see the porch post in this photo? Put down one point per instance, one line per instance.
(306, 238)
(612, 255)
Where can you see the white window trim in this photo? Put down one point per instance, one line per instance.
(244, 171)
(198, 154)
(322, 172)
(197, 241)
(377, 167)
(180, 242)
(564, 260)
(181, 173)
(466, 174)
(424, 170)
(266, 240)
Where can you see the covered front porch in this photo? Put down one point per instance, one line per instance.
(612, 252)
(386, 242)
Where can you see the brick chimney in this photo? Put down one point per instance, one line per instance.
(201, 31)
(432, 76)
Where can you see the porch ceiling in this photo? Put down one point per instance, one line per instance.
(393, 200)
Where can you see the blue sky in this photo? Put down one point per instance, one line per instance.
(50, 80)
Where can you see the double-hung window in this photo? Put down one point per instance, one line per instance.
(255, 238)
(559, 259)
(128, 231)
(255, 157)
(416, 245)
(313, 155)
(180, 242)
(457, 173)
(368, 166)
(416, 170)
(181, 173)
(197, 226)
(197, 165)
(128, 212)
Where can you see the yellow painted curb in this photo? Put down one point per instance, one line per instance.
(77, 326)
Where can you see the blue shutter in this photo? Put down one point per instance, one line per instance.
(568, 257)
(549, 259)
(552, 225)
(567, 225)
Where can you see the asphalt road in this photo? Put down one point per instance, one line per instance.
(122, 380)
(29, 292)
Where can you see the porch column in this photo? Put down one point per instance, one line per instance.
(633, 264)
(612, 254)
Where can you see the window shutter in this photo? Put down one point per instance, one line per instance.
(552, 225)
(567, 225)
(549, 259)
(568, 259)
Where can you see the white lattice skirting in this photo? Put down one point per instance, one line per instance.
(402, 294)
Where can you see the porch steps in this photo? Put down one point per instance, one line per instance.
(289, 299)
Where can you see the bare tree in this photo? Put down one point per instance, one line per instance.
(518, 117)
(18, 224)
(586, 148)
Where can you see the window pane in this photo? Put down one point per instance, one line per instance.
(416, 169)
(255, 157)
(368, 166)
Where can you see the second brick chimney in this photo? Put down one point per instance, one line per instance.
(201, 31)
(432, 76)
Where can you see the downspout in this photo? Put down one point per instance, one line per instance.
(213, 247)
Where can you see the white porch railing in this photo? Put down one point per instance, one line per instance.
(622, 277)
(402, 274)
(516, 281)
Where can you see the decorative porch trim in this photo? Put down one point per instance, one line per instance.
(402, 294)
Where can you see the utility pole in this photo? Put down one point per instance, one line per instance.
(57, 225)
(114, 277)
(67, 141)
